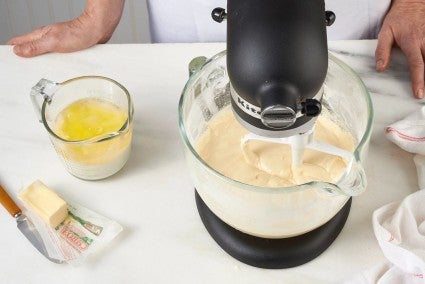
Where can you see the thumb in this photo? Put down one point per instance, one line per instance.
(383, 49)
(34, 48)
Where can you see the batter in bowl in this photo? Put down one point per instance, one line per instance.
(270, 164)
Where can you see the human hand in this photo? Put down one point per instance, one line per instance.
(95, 25)
(60, 37)
(404, 25)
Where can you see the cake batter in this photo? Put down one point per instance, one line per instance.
(270, 164)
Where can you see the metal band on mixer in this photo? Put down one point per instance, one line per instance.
(245, 106)
(254, 110)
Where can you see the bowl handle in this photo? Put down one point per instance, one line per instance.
(195, 64)
(354, 182)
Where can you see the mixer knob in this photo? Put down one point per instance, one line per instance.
(278, 117)
(311, 107)
(219, 15)
(330, 18)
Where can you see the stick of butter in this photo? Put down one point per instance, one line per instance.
(47, 204)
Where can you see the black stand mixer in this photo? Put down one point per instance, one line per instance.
(277, 61)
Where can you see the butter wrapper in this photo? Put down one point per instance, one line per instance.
(81, 234)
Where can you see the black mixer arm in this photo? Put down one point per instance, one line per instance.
(277, 59)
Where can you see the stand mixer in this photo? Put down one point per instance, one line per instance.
(277, 61)
(273, 75)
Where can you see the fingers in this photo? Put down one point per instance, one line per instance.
(31, 36)
(34, 48)
(59, 37)
(383, 49)
(411, 49)
(416, 66)
(33, 43)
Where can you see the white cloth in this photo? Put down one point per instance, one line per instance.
(190, 20)
(400, 227)
(409, 134)
(400, 231)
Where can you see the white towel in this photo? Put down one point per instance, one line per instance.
(409, 133)
(400, 230)
(400, 226)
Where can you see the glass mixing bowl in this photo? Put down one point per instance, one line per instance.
(284, 211)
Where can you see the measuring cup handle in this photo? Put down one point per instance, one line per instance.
(42, 93)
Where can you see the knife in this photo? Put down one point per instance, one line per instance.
(24, 224)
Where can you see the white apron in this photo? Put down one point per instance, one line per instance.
(190, 20)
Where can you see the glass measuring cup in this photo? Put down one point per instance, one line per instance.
(94, 157)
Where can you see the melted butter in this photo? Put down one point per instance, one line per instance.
(88, 118)
(270, 164)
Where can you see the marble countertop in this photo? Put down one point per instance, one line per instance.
(152, 197)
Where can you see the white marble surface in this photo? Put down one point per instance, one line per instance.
(152, 197)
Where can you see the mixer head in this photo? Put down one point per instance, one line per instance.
(277, 61)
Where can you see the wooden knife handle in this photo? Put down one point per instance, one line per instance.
(8, 203)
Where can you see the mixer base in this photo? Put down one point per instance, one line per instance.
(272, 253)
